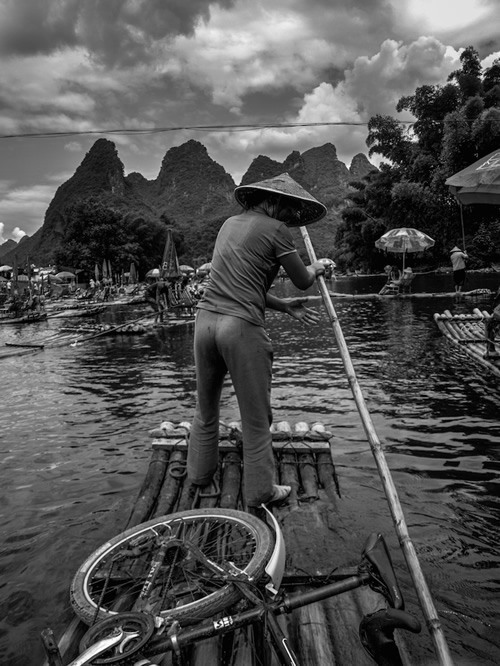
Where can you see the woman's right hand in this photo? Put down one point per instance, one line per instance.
(318, 268)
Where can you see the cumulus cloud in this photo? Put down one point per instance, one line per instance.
(377, 82)
(24, 206)
(16, 234)
(373, 85)
(261, 47)
(115, 31)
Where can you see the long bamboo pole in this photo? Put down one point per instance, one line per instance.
(462, 224)
(423, 593)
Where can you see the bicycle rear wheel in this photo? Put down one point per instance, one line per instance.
(119, 575)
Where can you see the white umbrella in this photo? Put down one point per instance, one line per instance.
(403, 240)
(205, 268)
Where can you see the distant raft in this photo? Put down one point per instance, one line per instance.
(474, 294)
(468, 332)
(26, 318)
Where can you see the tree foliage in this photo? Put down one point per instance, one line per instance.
(94, 231)
(455, 124)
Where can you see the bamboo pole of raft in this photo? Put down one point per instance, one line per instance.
(421, 587)
(84, 338)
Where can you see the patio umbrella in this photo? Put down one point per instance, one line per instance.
(403, 240)
(5, 268)
(65, 275)
(184, 268)
(154, 272)
(479, 183)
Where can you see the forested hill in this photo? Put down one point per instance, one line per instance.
(192, 194)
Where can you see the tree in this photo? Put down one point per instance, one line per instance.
(388, 138)
(469, 76)
(358, 230)
(455, 124)
(94, 231)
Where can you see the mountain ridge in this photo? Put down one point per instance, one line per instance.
(192, 192)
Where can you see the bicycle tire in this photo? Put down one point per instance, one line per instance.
(248, 543)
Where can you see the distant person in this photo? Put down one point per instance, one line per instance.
(157, 295)
(458, 260)
(393, 284)
(492, 325)
(230, 335)
(393, 273)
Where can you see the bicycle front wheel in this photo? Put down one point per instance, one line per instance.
(160, 566)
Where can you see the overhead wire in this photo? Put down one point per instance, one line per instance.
(246, 127)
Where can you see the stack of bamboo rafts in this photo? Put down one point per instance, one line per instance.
(468, 331)
(316, 542)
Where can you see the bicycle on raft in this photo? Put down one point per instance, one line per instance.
(170, 582)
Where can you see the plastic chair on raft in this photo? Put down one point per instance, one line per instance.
(400, 286)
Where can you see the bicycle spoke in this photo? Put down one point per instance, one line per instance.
(173, 565)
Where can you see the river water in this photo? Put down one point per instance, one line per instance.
(74, 448)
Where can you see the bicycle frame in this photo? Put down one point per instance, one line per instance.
(138, 630)
(376, 630)
(260, 612)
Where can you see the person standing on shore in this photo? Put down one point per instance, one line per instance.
(458, 258)
(229, 331)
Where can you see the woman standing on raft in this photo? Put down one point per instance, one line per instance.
(229, 330)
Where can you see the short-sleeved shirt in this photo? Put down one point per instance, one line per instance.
(245, 262)
(458, 260)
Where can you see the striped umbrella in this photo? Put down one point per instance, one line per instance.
(403, 240)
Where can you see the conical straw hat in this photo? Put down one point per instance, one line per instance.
(310, 209)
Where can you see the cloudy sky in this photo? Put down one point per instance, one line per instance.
(76, 67)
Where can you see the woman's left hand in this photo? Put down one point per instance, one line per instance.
(296, 309)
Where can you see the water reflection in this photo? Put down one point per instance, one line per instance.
(74, 447)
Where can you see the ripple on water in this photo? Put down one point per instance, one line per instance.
(74, 447)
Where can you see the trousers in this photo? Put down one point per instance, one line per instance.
(225, 344)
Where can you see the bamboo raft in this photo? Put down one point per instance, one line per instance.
(86, 310)
(467, 331)
(475, 293)
(28, 318)
(322, 633)
(77, 335)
